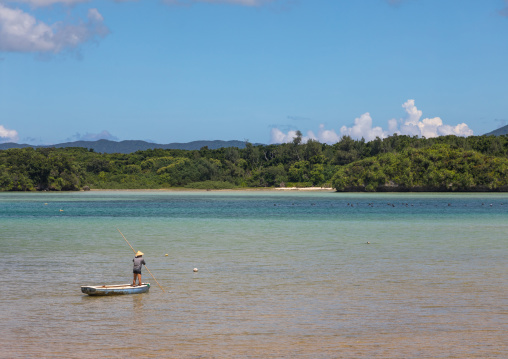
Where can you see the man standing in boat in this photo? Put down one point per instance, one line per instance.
(138, 262)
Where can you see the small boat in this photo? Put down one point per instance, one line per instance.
(115, 289)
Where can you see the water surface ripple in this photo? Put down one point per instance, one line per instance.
(281, 275)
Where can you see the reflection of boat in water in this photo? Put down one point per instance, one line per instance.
(115, 289)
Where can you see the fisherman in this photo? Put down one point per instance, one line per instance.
(138, 262)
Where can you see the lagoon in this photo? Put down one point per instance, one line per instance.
(281, 274)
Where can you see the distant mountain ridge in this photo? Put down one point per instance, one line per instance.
(499, 132)
(129, 146)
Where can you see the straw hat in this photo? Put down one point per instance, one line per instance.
(139, 254)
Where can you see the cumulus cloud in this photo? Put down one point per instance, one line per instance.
(7, 135)
(428, 127)
(104, 135)
(327, 136)
(277, 136)
(323, 136)
(411, 125)
(363, 128)
(22, 32)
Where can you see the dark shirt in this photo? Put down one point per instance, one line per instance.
(138, 262)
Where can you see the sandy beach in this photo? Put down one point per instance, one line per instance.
(181, 189)
(304, 189)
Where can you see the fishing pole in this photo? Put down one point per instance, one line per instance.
(143, 264)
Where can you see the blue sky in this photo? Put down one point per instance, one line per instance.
(257, 70)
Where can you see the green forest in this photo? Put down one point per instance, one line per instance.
(396, 163)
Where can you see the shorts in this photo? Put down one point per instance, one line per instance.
(136, 271)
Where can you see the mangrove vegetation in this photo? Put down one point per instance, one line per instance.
(396, 163)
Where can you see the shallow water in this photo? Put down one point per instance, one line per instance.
(281, 274)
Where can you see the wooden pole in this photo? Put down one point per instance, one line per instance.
(143, 264)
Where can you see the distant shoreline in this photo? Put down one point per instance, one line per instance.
(504, 189)
(316, 189)
(304, 189)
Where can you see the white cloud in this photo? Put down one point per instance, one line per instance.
(323, 136)
(277, 136)
(428, 127)
(7, 135)
(327, 136)
(412, 125)
(363, 128)
(22, 32)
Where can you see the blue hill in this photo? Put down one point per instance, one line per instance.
(107, 146)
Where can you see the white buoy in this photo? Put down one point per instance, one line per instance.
(195, 269)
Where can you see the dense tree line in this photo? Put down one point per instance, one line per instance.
(393, 163)
(438, 168)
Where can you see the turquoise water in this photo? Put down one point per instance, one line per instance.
(281, 275)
